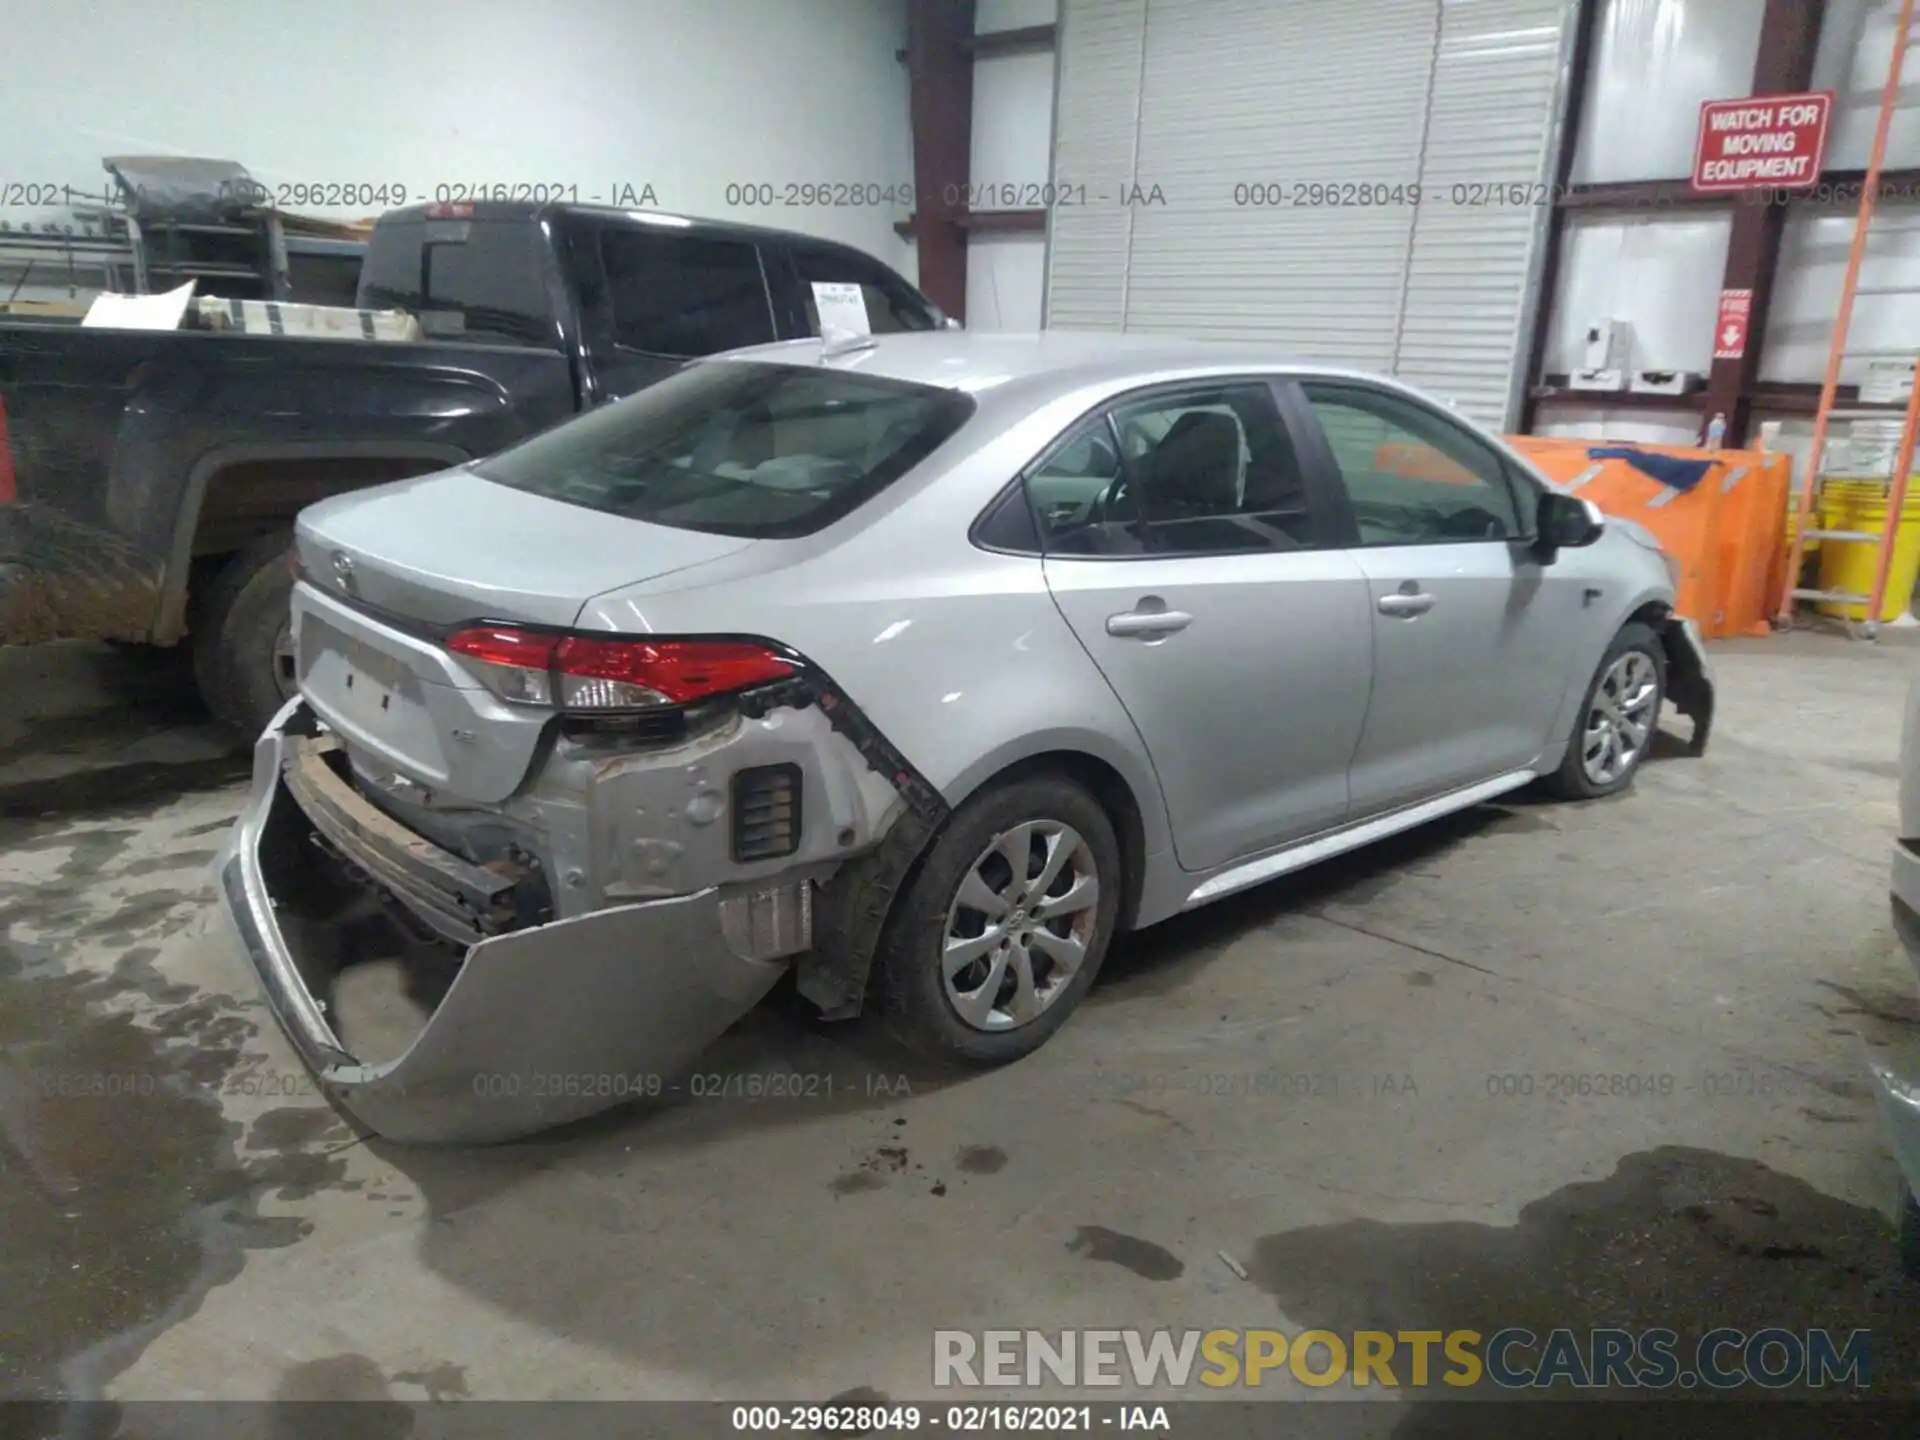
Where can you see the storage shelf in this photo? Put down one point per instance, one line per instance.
(1561, 395)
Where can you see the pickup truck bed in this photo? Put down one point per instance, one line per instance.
(149, 479)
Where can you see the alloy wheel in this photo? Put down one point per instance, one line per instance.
(1621, 717)
(1020, 926)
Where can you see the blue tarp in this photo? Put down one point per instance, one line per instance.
(1669, 470)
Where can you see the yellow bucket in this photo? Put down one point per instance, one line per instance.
(1862, 505)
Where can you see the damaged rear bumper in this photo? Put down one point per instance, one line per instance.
(542, 1024)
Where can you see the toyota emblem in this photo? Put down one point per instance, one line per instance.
(343, 571)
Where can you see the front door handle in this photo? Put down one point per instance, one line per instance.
(1406, 605)
(1147, 624)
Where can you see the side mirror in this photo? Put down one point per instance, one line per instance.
(1566, 522)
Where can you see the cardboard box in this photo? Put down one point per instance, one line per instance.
(326, 322)
(1667, 382)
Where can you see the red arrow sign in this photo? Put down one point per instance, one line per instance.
(1730, 330)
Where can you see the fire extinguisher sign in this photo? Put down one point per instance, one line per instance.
(1730, 330)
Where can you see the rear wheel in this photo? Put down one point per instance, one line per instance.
(243, 636)
(1004, 927)
(1615, 727)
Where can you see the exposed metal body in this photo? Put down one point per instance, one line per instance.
(1406, 682)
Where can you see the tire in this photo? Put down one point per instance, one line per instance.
(1574, 780)
(242, 654)
(1908, 1233)
(919, 1010)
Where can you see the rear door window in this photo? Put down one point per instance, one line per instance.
(684, 295)
(1205, 471)
(739, 448)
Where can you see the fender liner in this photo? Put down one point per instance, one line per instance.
(850, 912)
(1689, 684)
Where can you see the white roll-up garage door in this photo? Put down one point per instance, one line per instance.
(1242, 169)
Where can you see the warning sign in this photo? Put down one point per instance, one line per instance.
(1762, 140)
(1730, 330)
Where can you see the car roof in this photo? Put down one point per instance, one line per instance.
(524, 210)
(1041, 365)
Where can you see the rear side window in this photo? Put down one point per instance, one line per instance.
(892, 304)
(476, 280)
(736, 448)
(683, 295)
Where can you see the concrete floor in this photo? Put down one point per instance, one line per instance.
(213, 1230)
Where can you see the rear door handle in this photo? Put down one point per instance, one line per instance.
(1139, 624)
(1405, 605)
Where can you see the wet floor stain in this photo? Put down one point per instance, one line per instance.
(117, 788)
(120, 1197)
(377, 1415)
(1421, 979)
(294, 1127)
(855, 1182)
(1682, 1239)
(980, 1159)
(444, 1381)
(123, 1199)
(1144, 1258)
(173, 862)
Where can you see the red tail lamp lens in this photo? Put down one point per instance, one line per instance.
(585, 672)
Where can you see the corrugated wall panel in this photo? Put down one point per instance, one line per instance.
(1240, 93)
(1484, 192)
(1198, 98)
(1096, 120)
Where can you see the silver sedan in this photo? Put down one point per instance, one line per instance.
(920, 664)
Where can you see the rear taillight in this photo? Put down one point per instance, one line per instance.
(598, 674)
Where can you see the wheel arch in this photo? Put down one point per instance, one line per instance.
(212, 521)
(857, 904)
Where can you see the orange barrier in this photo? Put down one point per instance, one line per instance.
(1724, 532)
(1421, 462)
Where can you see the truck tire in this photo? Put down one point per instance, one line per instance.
(242, 636)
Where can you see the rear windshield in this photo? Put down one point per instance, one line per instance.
(738, 448)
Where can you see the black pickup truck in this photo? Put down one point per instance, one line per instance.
(148, 479)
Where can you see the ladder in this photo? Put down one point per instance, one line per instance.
(1828, 413)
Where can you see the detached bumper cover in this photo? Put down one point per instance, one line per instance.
(542, 1025)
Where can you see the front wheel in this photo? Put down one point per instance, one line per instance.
(1617, 719)
(1004, 927)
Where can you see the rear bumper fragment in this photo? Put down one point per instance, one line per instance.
(541, 1025)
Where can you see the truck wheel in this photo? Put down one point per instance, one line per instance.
(243, 636)
(1004, 926)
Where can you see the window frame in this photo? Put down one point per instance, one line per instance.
(605, 320)
(794, 252)
(1317, 450)
(1325, 509)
